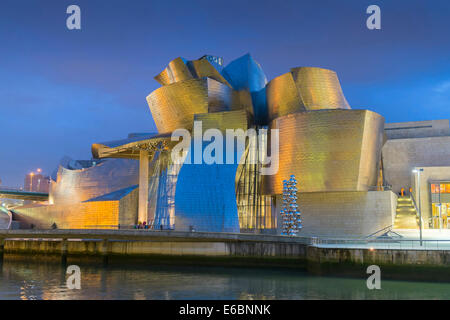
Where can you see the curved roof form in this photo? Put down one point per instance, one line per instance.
(173, 106)
(304, 89)
(174, 72)
(245, 73)
(283, 97)
(204, 68)
(74, 186)
(127, 148)
(319, 88)
(181, 69)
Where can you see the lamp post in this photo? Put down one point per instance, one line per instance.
(418, 171)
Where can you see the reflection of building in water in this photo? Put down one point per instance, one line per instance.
(345, 159)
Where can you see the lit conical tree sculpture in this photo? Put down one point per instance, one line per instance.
(292, 222)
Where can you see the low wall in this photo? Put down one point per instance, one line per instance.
(242, 251)
(341, 214)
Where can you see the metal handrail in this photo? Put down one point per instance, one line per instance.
(411, 196)
(388, 228)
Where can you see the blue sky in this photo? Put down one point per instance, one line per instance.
(62, 90)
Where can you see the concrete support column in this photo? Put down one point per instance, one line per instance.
(64, 246)
(143, 186)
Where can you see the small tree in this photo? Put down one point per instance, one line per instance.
(292, 222)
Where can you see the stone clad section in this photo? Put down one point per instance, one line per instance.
(417, 129)
(400, 156)
(340, 214)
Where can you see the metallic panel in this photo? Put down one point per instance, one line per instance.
(74, 186)
(245, 73)
(129, 148)
(219, 96)
(175, 71)
(223, 120)
(319, 88)
(108, 214)
(203, 68)
(328, 150)
(5, 218)
(283, 97)
(242, 99)
(260, 111)
(173, 106)
(205, 198)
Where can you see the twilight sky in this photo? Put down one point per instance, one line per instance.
(61, 90)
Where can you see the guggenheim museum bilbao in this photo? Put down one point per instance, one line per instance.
(354, 172)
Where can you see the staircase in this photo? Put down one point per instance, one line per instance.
(406, 214)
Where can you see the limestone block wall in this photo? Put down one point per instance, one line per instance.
(344, 214)
(417, 129)
(400, 156)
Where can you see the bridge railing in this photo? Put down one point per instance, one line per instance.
(11, 188)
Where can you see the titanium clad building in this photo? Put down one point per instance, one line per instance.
(300, 121)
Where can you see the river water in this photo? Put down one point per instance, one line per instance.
(45, 280)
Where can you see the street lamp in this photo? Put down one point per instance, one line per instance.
(418, 171)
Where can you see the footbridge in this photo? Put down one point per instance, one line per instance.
(17, 193)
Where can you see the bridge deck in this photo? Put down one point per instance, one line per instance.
(22, 195)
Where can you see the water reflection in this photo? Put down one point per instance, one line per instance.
(45, 280)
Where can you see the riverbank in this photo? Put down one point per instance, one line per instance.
(221, 249)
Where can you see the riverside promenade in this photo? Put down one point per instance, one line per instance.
(348, 257)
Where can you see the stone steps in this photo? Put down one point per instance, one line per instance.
(406, 215)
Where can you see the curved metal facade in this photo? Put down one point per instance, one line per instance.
(245, 73)
(176, 71)
(283, 97)
(329, 150)
(304, 89)
(202, 68)
(326, 145)
(319, 88)
(75, 186)
(205, 197)
(173, 106)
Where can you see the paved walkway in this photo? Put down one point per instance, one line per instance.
(409, 240)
